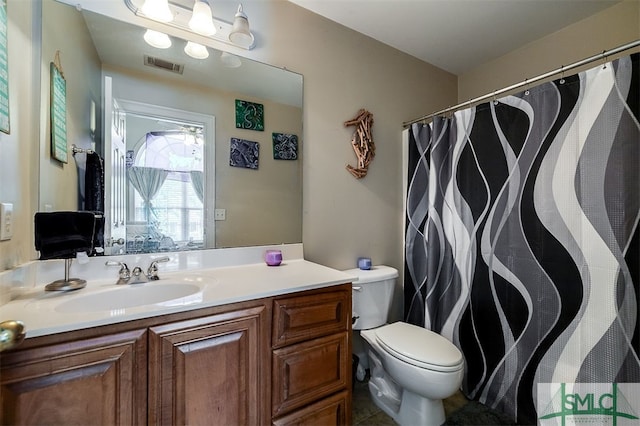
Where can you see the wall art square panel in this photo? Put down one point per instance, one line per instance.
(285, 146)
(244, 153)
(249, 115)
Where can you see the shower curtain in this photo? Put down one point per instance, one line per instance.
(522, 240)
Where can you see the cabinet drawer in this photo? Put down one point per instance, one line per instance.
(306, 317)
(308, 371)
(334, 410)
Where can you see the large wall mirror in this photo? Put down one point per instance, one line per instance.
(178, 171)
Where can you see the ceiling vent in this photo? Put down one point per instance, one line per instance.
(162, 64)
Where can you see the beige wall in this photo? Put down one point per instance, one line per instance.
(613, 27)
(345, 218)
(18, 150)
(81, 68)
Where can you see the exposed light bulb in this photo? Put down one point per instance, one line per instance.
(158, 10)
(196, 51)
(157, 39)
(202, 20)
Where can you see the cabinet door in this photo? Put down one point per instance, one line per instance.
(92, 381)
(210, 370)
(308, 371)
(334, 410)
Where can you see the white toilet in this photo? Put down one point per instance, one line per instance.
(412, 369)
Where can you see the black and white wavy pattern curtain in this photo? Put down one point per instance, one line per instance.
(522, 240)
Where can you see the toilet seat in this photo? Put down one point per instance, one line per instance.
(419, 347)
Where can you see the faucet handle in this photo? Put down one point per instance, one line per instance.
(152, 272)
(124, 274)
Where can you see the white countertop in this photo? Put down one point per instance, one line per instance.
(43, 314)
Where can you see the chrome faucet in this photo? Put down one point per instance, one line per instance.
(152, 271)
(124, 274)
(137, 276)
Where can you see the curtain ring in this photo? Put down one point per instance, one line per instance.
(604, 59)
(561, 75)
(526, 86)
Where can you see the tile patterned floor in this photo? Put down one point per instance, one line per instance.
(366, 413)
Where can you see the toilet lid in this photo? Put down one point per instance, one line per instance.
(419, 346)
(375, 274)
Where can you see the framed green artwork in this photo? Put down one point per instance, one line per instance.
(249, 115)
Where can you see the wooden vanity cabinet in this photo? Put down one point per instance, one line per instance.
(100, 380)
(282, 360)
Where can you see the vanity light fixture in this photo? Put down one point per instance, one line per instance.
(196, 51)
(198, 20)
(157, 39)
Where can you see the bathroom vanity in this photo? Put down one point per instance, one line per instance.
(255, 345)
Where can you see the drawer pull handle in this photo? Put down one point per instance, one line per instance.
(357, 288)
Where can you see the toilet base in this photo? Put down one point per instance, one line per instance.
(412, 410)
(403, 406)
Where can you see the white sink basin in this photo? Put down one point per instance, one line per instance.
(133, 295)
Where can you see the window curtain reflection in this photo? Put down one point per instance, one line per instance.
(147, 181)
(197, 181)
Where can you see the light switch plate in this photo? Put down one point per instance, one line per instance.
(6, 221)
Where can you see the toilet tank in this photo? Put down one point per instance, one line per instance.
(372, 295)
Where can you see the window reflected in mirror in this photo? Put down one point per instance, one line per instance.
(170, 214)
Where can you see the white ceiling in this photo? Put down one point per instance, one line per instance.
(456, 35)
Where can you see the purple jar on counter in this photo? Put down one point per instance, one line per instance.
(273, 257)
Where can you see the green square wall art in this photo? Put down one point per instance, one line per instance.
(249, 115)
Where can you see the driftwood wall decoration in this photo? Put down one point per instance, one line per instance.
(362, 143)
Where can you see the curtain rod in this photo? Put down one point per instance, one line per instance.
(560, 70)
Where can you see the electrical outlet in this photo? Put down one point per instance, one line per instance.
(220, 214)
(6, 221)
